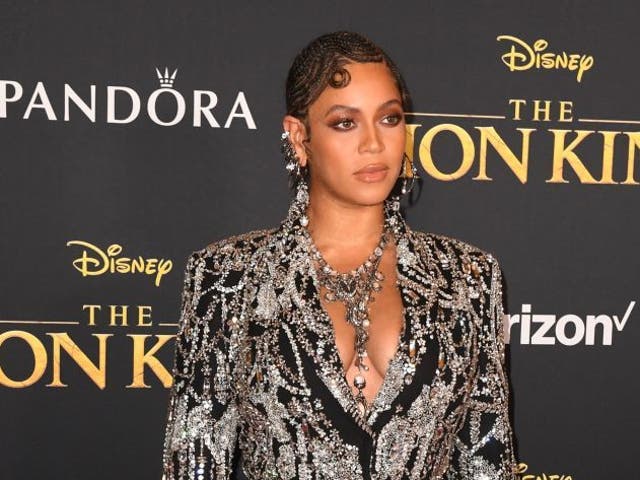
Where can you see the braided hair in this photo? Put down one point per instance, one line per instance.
(321, 64)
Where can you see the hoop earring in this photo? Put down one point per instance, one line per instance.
(408, 167)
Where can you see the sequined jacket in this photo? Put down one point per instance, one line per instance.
(258, 379)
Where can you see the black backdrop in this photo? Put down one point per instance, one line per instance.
(78, 189)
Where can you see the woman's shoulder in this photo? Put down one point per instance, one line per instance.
(460, 260)
(225, 261)
(448, 248)
(235, 250)
(240, 243)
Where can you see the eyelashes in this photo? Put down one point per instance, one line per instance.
(343, 124)
(347, 123)
(395, 117)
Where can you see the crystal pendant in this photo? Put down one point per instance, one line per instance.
(361, 402)
(348, 286)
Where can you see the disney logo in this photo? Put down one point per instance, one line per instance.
(521, 474)
(94, 261)
(522, 56)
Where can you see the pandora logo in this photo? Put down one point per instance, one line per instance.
(124, 104)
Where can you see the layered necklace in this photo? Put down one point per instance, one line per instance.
(354, 290)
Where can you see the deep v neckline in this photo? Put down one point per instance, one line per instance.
(333, 354)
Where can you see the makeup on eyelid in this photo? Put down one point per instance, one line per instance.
(397, 119)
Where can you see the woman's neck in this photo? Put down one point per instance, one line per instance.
(334, 224)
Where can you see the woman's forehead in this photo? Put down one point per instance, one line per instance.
(371, 85)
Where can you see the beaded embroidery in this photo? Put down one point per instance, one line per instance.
(258, 379)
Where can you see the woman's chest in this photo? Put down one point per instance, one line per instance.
(300, 352)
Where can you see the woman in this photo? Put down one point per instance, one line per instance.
(286, 366)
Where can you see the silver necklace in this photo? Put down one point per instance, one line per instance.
(354, 290)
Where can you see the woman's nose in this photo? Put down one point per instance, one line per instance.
(371, 140)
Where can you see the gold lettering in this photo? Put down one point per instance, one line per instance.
(608, 139)
(562, 153)
(142, 358)
(93, 261)
(518, 167)
(468, 152)
(523, 467)
(98, 374)
(521, 56)
(92, 313)
(164, 267)
(84, 264)
(516, 109)
(410, 138)
(517, 60)
(565, 111)
(151, 266)
(144, 311)
(542, 110)
(585, 64)
(634, 142)
(138, 265)
(122, 265)
(564, 149)
(537, 109)
(39, 358)
(114, 314)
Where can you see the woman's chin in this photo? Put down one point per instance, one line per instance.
(359, 194)
(369, 198)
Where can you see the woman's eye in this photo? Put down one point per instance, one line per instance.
(344, 124)
(393, 119)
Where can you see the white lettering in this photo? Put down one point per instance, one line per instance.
(561, 332)
(241, 103)
(539, 337)
(620, 324)
(124, 104)
(111, 104)
(17, 95)
(180, 110)
(40, 93)
(199, 109)
(89, 111)
(568, 329)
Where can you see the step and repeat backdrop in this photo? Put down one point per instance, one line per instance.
(132, 133)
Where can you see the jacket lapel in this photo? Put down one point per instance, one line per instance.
(420, 280)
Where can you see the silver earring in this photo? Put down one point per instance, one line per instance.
(292, 165)
(291, 159)
(412, 178)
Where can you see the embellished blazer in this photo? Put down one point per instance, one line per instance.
(258, 380)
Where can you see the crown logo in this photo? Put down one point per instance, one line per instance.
(166, 81)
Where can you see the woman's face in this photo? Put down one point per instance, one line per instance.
(357, 137)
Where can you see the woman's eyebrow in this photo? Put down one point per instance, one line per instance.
(390, 102)
(349, 109)
(341, 107)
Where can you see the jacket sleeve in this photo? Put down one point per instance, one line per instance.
(202, 419)
(484, 444)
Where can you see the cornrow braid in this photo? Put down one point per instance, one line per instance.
(321, 64)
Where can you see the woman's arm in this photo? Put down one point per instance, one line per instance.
(484, 445)
(201, 431)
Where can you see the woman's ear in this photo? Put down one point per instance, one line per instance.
(297, 134)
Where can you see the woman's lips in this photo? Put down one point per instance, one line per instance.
(372, 173)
